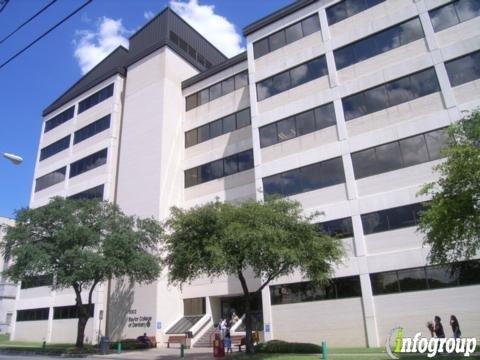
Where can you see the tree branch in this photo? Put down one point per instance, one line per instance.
(271, 277)
(91, 291)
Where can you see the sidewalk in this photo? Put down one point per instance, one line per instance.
(160, 354)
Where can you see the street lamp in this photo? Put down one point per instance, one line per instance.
(17, 160)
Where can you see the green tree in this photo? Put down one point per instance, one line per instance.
(272, 239)
(451, 220)
(81, 243)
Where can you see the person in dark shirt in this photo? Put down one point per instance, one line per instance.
(455, 327)
(438, 327)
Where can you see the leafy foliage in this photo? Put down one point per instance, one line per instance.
(271, 239)
(81, 243)
(451, 221)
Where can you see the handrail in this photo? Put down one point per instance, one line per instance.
(237, 324)
(173, 324)
(199, 324)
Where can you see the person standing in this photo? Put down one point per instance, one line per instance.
(455, 327)
(438, 327)
(227, 343)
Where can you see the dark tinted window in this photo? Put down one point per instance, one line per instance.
(55, 148)
(298, 125)
(95, 99)
(307, 178)
(391, 219)
(390, 94)
(464, 69)
(338, 288)
(218, 127)
(378, 43)
(93, 193)
(92, 129)
(429, 277)
(346, 8)
(340, 228)
(219, 168)
(37, 281)
(88, 163)
(217, 90)
(290, 78)
(33, 314)
(50, 179)
(70, 312)
(398, 154)
(286, 36)
(454, 13)
(59, 119)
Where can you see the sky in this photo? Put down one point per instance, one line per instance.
(36, 78)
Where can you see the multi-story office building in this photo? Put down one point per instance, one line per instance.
(8, 290)
(340, 105)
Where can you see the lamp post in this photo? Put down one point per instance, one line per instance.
(15, 159)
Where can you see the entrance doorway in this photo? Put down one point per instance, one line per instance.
(235, 304)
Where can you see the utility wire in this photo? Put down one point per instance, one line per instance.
(30, 19)
(3, 3)
(45, 33)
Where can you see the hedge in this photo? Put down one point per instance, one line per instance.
(279, 346)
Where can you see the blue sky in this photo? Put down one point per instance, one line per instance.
(36, 78)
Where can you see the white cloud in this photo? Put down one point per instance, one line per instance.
(216, 28)
(91, 47)
(148, 14)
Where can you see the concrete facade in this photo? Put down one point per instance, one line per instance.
(8, 290)
(147, 160)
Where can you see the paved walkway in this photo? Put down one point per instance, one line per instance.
(160, 354)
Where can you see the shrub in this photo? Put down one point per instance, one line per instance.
(279, 346)
(128, 344)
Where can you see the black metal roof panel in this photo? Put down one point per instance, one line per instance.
(111, 65)
(151, 37)
(277, 15)
(237, 59)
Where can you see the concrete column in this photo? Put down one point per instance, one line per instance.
(267, 314)
(369, 311)
(48, 335)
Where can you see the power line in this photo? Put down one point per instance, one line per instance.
(45, 33)
(3, 3)
(30, 19)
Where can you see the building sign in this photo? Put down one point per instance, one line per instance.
(267, 328)
(135, 320)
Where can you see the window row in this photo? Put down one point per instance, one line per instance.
(426, 277)
(307, 178)
(89, 194)
(88, 163)
(189, 50)
(392, 93)
(338, 288)
(464, 69)
(291, 78)
(36, 281)
(70, 312)
(218, 127)
(92, 129)
(76, 168)
(33, 314)
(346, 8)
(55, 148)
(298, 125)
(339, 228)
(379, 43)
(95, 99)
(454, 13)
(50, 179)
(286, 36)
(59, 119)
(399, 154)
(224, 87)
(219, 168)
(391, 219)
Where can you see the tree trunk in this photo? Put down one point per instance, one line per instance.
(82, 323)
(248, 315)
